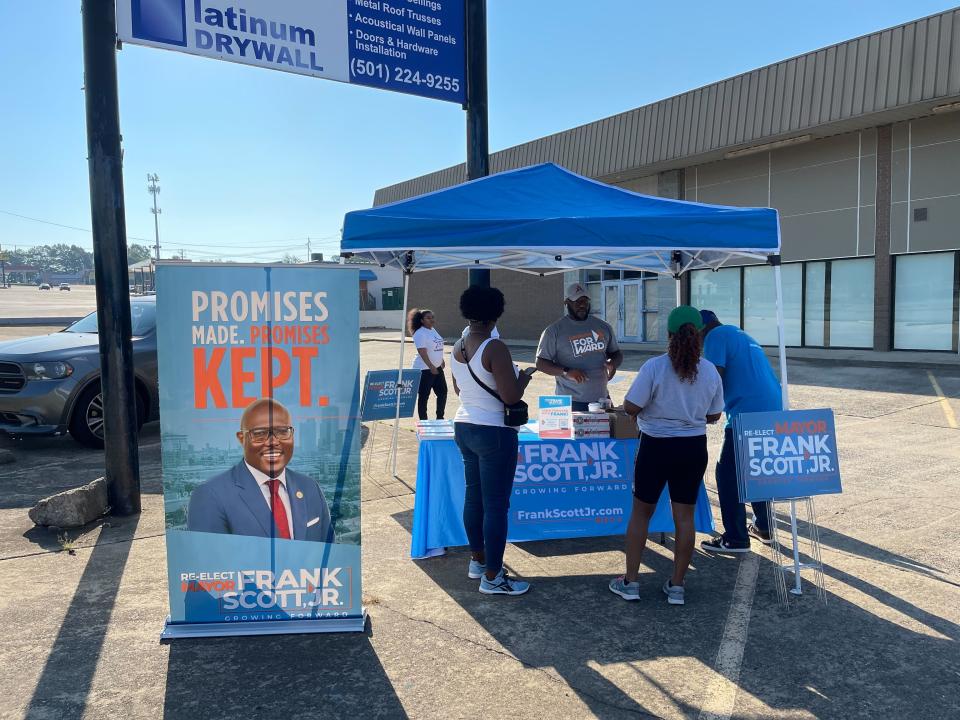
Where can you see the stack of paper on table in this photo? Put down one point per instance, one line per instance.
(591, 425)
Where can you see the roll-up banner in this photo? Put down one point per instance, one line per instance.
(259, 418)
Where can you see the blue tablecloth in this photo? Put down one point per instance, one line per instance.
(562, 489)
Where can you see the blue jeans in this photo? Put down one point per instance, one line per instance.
(732, 511)
(489, 463)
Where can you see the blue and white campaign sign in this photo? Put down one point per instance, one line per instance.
(410, 46)
(786, 454)
(565, 489)
(380, 394)
(561, 489)
(259, 400)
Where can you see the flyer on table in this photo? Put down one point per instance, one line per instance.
(259, 405)
(556, 417)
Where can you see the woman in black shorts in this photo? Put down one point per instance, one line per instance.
(673, 397)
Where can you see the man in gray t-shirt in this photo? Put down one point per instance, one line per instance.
(580, 350)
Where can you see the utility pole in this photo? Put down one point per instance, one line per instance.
(478, 140)
(154, 190)
(309, 256)
(105, 162)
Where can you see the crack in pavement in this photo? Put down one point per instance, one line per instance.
(58, 551)
(560, 682)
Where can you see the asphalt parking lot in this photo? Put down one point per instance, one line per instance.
(883, 646)
(26, 301)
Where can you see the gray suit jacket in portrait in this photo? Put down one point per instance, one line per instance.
(232, 503)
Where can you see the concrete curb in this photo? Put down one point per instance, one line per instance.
(36, 321)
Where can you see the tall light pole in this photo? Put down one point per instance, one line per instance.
(154, 190)
(478, 141)
(104, 157)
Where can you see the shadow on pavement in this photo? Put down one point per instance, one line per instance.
(575, 626)
(852, 658)
(65, 682)
(48, 465)
(287, 676)
(833, 660)
(852, 546)
(55, 539)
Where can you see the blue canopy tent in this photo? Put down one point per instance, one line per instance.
(545, 220)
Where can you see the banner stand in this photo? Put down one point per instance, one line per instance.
(176, 631)
(259, 429)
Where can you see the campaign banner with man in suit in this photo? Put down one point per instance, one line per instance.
(259, 420)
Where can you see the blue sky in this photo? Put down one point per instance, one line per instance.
(253, 161)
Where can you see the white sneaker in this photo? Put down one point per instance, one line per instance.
(674, 593)
(476, 570)
(503, 585)
(626, 590)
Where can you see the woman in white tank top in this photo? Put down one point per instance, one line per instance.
(488, 446)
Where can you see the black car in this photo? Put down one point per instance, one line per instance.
(50, 384)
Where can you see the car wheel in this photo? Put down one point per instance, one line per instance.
(86, 423)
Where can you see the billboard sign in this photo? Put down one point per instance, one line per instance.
(410, 46)
(259, 406)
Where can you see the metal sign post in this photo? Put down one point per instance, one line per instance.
(110, 256)
(478, 127)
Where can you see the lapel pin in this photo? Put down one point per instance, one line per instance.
(299, 495)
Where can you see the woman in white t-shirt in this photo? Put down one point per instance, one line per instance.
(673, 397)
(429, 360)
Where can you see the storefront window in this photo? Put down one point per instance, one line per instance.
(596, 298)
(760, 303)
(718, 291)
(814, 304)
(923, 309)
(851, 303)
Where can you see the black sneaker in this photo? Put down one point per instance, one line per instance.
(719, 545)
(757, 534)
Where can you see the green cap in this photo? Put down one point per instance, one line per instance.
(682, 315)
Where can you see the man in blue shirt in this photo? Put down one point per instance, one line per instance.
(749, 385)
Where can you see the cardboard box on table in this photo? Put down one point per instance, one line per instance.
(622, 426)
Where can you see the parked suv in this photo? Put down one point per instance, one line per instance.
(64, 286)
(50, 384)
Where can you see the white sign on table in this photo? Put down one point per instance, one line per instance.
(556, 417)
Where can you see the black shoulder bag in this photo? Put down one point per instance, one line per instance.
(514, 415)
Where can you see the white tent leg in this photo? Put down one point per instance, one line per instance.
(677, 282)
(403, 342)
(785, 395)
(781, 338)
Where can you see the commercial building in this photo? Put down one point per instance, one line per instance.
(857, 145)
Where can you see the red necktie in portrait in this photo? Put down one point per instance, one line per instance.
(279, 511)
